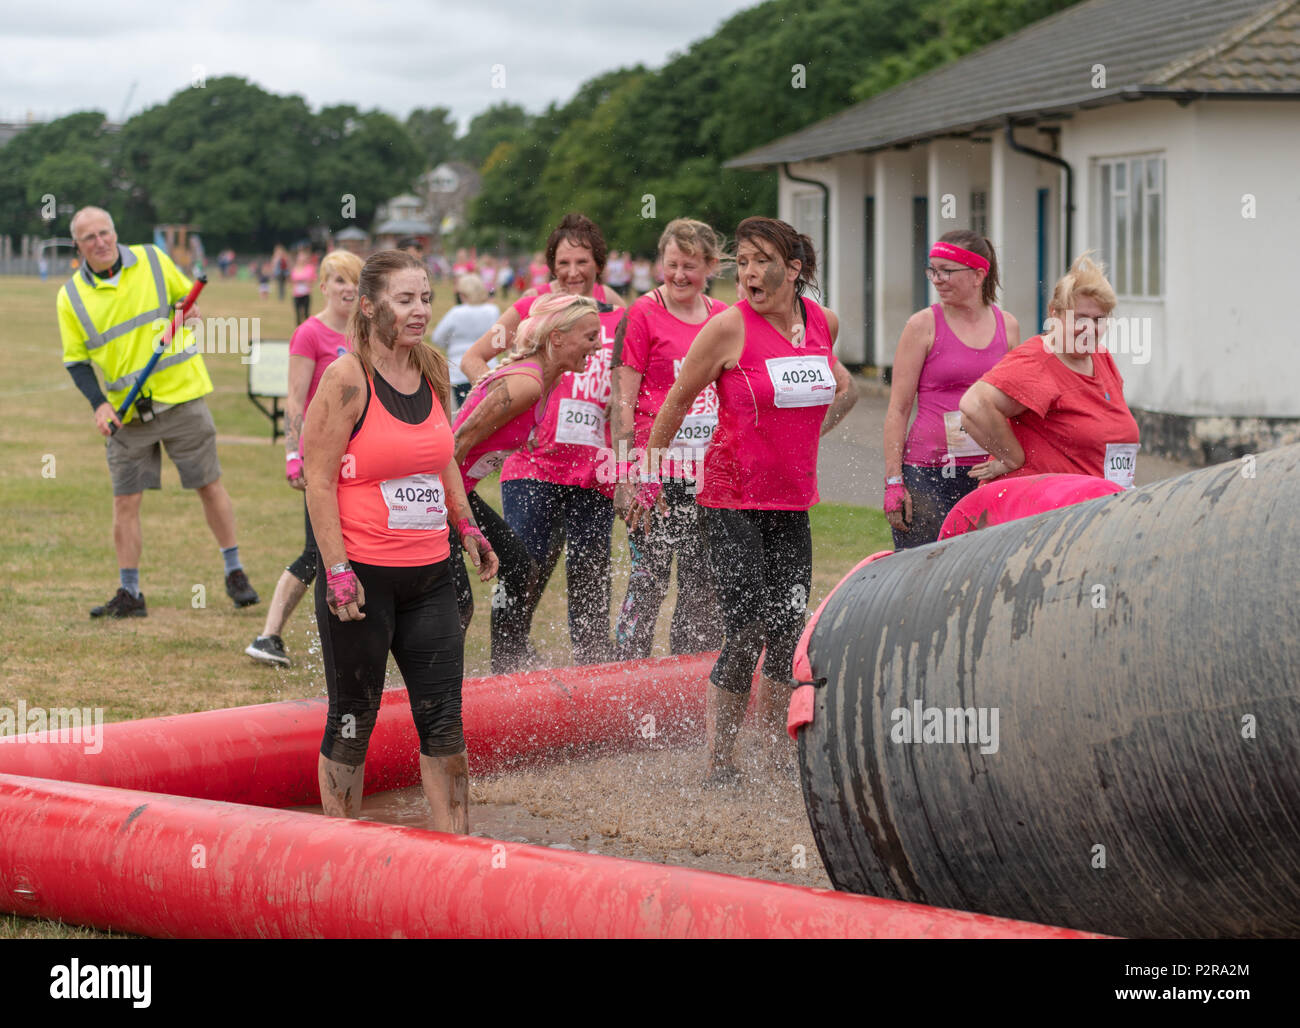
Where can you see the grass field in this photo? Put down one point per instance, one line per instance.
(57, 561)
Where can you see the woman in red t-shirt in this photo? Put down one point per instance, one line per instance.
(1055, 404)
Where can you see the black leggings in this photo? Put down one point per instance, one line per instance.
(410, 612)
(762, 561)
(513, 595)
(304, 568)
(302, 307)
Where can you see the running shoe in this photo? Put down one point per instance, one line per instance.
(122, 605)
(239, 589)
(269, 649)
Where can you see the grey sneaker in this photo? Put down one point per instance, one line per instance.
(239, 589)
(269, 649)
(122, 605)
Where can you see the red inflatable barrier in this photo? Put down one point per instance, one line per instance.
(266, 754)
(176, 867)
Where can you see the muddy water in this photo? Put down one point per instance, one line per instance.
(651, 805)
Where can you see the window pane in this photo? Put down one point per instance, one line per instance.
(1120, 178)
(1138, 265)
(1107, 240)
(1153, 174)
(1121, 242)
(1154, 285)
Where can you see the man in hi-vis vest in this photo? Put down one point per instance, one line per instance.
(108, 313)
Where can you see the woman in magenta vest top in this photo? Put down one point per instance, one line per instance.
(551, 494)
(944, 349)
(780, 389)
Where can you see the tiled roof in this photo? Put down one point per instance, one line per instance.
(1263, 55)
(1144, 46)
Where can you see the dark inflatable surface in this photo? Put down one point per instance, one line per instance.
(1087, 718)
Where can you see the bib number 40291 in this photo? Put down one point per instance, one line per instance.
(801, 381)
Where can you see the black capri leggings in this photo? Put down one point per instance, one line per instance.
(762, 563)
(304, 568)
(410, 612)
(513, 594)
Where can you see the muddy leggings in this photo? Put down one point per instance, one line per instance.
(762, 562)
(536, 511)
(411, 613)
(513, 593)
(697, 623)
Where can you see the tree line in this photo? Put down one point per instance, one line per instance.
(632, 148)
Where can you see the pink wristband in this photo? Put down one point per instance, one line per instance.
(293, 468)
(648, 494)
(465, 530)
(342, 588)
(895, 498)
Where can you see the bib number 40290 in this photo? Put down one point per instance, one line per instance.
(416, 501)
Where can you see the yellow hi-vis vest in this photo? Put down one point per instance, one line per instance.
(117, 327)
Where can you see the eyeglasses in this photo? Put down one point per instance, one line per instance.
(942, 274)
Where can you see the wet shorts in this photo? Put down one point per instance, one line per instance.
(190, 436)
(762, 563)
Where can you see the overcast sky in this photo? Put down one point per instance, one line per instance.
(56, 58)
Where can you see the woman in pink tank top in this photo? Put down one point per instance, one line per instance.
(500, 414)
(780, 389)
(551, 494)
(652, 342)
(944, 349)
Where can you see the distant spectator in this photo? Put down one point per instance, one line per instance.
(618, 272)
(472, 316)
(303, 277)
(642, 276)
(280, 261)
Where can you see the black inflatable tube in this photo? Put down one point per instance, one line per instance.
(1142, 655)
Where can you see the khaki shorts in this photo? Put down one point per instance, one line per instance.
(188, 432)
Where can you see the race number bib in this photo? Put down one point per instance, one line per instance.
(488, 464)
(959, 443)
(693, 438)
(1121, 463)
(801, 381)
(416, 501)
(581, 423)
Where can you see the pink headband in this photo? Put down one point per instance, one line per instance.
(955, 253)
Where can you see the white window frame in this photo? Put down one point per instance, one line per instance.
(807, 220)
(1131, 280)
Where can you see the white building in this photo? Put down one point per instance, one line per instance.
(1174, 126)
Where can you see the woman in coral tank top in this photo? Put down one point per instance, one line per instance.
(944, 349)
(382, 485)
(780, 388)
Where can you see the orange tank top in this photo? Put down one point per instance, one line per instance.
(392, 504)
